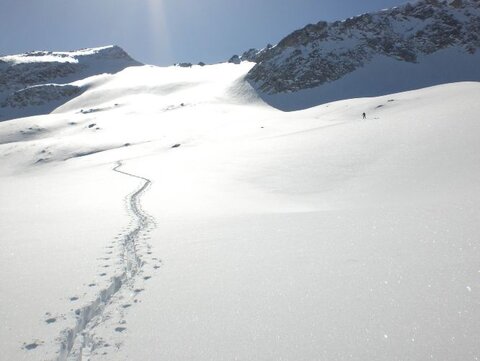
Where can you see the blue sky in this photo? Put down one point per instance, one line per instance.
(163, 32)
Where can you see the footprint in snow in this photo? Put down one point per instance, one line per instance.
(32, 346)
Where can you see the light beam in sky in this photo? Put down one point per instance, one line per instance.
(159, 39)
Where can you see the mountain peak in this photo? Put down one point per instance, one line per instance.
(326, 52)
(35, 82)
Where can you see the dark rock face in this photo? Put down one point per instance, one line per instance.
(250, 55)
(40, 95)
(255, 55)
(25, 74)
(325, 52)
(235, 59)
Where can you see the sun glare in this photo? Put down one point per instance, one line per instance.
(159, 38)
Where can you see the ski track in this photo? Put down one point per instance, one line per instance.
(79, 339)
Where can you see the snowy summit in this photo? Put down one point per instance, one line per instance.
(409, 47)
(40, 81)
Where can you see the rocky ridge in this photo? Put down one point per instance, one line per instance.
(325, 52)
(41, 78)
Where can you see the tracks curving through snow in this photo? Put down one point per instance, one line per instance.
(80, 340)
(130, 240)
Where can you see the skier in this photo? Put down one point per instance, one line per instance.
(364, 116)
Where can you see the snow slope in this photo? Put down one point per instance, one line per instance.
(170, 214)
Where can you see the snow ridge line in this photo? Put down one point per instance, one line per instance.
(88, 317)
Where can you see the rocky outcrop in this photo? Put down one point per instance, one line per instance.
(235, 59)
(325, 52)
(40, 95)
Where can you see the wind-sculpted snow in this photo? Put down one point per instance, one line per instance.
(81, 340)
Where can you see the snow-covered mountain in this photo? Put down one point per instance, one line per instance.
(178, 217)
(37, 82)
(171, 214)
(412, 46)
(408, 47)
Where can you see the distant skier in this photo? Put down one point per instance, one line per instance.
(364, 116)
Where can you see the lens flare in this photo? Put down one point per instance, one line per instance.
(159, 39)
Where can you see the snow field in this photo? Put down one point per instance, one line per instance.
(289, 236)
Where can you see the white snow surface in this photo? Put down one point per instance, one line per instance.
(56, 56)
(170, 214)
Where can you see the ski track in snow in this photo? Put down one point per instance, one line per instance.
(80, 340)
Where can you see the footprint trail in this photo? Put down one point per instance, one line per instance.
(80, 341)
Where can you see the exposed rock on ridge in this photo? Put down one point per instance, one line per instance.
(324, 52)
(39, 78)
